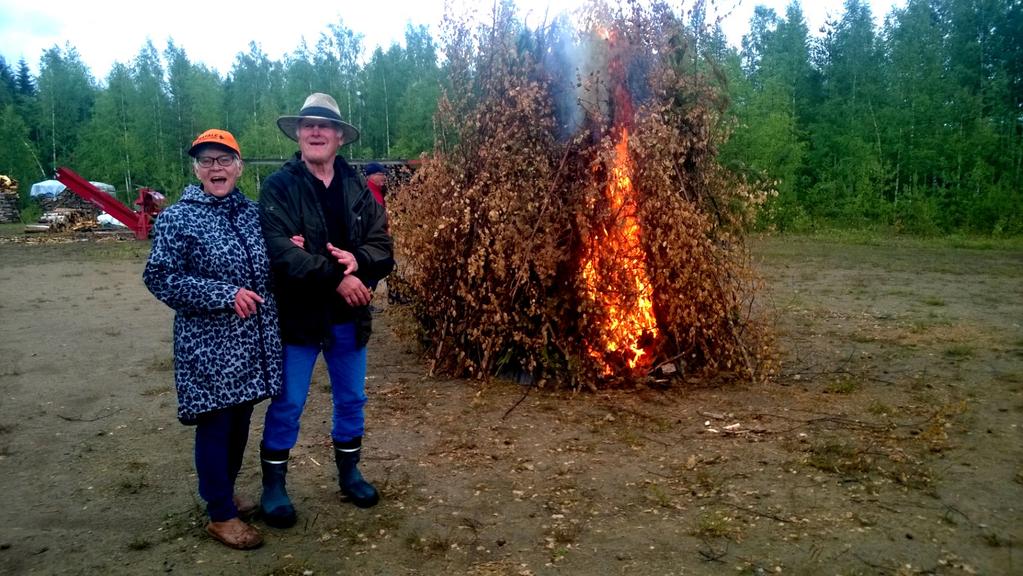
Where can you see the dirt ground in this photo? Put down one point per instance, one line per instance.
(889, 443)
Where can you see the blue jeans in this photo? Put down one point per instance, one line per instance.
(220, 439)
(346, 366)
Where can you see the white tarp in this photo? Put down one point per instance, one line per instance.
(55, 187)
(107, 221)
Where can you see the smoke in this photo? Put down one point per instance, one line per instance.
(580, 61)
(565, 61)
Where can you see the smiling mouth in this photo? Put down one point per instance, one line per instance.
(218, 180)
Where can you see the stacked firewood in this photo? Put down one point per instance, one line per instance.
(67, 219)
(66, 212)
(68, 199)
(9, 200)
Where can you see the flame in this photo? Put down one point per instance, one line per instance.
(616, 252)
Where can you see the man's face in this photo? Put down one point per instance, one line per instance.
(318, 140)
(378, 178)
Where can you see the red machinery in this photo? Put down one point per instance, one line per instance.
(149, 201)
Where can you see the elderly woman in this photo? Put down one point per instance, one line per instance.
(209, 264)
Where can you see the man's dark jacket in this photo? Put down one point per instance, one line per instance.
(305, 280)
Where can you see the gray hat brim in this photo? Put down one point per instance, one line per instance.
(289, 125)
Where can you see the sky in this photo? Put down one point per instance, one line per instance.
(213, 33)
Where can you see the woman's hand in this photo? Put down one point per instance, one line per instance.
(245, 302)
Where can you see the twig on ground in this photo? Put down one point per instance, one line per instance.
(949, 510)
(757, 513)
(812, 374)
(649, 471)
(712, 555)
(880, 567)
(516, 405)
(72, 419)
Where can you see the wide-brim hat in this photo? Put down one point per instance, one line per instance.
(318, 106)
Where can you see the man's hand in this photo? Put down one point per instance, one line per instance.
(354, 291)
(344, 258)
(245, 302)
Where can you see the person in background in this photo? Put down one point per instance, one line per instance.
(209, 263)
(327, 240)
(376, 179)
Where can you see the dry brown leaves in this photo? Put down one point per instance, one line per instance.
(491, 230)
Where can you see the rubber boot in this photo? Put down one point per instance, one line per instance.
(277, 509)
(353, 486)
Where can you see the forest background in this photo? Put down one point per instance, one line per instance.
(915, 126)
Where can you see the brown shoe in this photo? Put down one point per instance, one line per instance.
(246, 508)
(235, 533)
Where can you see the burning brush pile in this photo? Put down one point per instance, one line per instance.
(572, 222)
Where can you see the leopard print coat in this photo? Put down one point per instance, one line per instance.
(204, 249)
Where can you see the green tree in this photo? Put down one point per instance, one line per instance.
(262, 139)
(8, 84)
(110, 149)
(984, 118)
(66, 95)
(338, 52)
(255, 98)
(754, 43)
(18, 158)
(254, 90)
(772, 106)
(418, 101)
(300, 78)
(846, 152)
(26, 86)
(150, 121)
(916, 112)
(381, 91)
(196, 97)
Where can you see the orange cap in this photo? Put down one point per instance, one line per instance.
(215, 136)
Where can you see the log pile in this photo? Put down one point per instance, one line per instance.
(68, 220)
(9, 200)
(66, 212)
(70, 200)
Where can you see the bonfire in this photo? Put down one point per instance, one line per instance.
(572, 225)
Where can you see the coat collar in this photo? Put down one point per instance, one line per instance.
(194, 193)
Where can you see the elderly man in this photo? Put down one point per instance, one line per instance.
(327, 240)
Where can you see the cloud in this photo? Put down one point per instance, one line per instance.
(26, 32)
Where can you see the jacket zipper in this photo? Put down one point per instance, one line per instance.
(233, 213)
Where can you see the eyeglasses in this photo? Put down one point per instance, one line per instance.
(207, 161)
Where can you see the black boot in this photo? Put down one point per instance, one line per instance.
(277, 509)
(353, 486)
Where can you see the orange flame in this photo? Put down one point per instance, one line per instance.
(616, 252)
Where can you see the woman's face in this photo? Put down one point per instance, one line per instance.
(217, 169)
